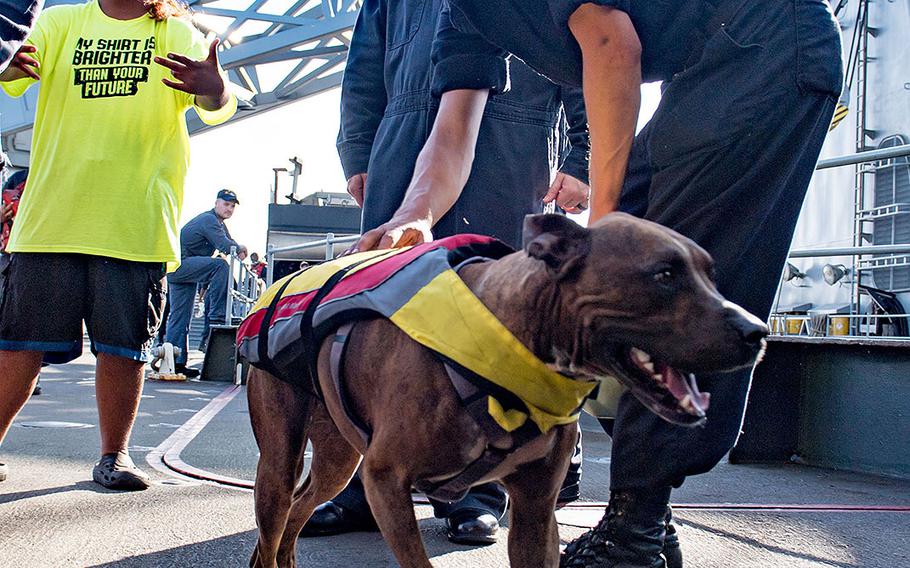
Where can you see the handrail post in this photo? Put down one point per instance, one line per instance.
(329, 246)
(228, 313)
(269, 264)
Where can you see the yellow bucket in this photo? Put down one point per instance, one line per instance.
(838, 325)
(794, 326)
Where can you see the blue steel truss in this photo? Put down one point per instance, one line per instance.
(275, 52)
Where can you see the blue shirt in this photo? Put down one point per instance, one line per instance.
(204, 234)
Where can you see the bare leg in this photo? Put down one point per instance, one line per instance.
(389, 496)
(118, 387)
(18, 374)
(334, 462)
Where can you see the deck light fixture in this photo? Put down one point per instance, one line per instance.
(834, 273)
(791, 272)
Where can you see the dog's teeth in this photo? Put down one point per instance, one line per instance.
(658, 377)
(640, 356)
(687, 404)
(649, 366)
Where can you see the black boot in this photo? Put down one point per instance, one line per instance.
(672, 553)
(630, 535)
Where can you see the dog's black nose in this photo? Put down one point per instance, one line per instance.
(754, 335)
(750, 329)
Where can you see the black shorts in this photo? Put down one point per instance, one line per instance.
(46, 297)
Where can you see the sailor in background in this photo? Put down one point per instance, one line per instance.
(200, 238)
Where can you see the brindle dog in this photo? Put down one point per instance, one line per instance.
(626, 298)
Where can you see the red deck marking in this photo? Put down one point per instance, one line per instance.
(166, 457)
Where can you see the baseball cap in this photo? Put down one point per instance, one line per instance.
(228, 195)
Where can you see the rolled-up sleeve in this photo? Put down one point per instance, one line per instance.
(463, 59)
(575, 162)
(363, 94)
(562, 9)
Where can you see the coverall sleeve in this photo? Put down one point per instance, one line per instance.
(363, 94)
(463, 59)
(216, 234)
(575, 162)
(17, 17)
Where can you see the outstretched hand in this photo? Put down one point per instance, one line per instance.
(22, 65)
(201, 78)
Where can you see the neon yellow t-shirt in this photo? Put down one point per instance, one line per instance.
(110, 147)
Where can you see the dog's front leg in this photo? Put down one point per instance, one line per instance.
(533, 488)
(389, 496)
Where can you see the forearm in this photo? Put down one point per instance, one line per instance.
(213, 102)
(612, 88)
(444, 164)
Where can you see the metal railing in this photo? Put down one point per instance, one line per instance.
(857, 323)
(243, 288)
(328, 242)
(880, 326)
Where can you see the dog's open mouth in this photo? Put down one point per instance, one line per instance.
(670, 393)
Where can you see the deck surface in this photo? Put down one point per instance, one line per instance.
(53, 515)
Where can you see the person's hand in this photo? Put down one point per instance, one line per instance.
(22, 65)
(242, 252)
(397, 233)
(201, 78)
(356, 184)
(570, 193)
(6, 212)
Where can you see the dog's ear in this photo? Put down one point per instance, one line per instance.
(562, 244)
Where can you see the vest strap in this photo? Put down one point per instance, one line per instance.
(336, 363)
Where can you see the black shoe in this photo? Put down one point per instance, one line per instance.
(330, 519)
(630, 535)
(117, 471)
(187, 372)
(472, 527)
(4, 471)
(37, 390)
(672, 553)
(568, 494)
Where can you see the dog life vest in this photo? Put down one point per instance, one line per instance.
(508, 391)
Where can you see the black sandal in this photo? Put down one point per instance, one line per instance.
(117, 471)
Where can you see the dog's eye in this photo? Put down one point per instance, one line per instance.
(664, 276)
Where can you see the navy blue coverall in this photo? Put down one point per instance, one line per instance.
(199, 239)
(387, 113)
(749, 91)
